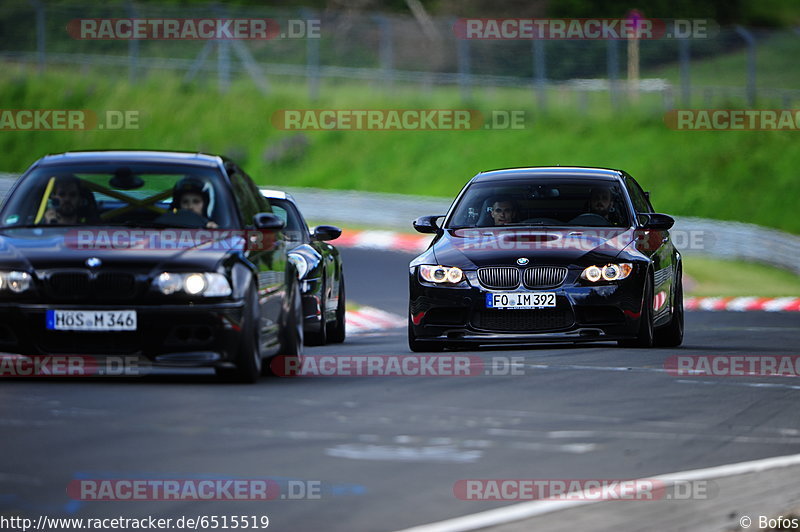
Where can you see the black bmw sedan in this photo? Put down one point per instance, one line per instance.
(547, 254)
(319, 266)
(171, 257)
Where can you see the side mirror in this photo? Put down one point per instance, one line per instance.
(267, 220)
(427, 224)
(321, 233)
(657, 222)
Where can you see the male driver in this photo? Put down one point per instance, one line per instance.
(504, 211)
(64, 203)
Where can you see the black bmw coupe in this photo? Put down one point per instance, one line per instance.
(547, 254)
(319, 266)
(171, 257)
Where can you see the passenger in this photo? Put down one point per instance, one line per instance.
(190, 195)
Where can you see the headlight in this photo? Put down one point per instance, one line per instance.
(300, 263)
(609, 272)
(441, 274)
(193, 284)
(15, 281)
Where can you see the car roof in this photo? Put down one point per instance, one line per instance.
(581, 172)
(276, 194)
(133, 156)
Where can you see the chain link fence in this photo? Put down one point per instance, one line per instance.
(394, 49)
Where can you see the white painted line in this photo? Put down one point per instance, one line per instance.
(526, 510)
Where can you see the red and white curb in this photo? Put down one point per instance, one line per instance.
(383, 240)
(742, 304)
(370, 319)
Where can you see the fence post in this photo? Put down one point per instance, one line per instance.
(386, 48)
(312, 61)
(540, 73)
(686, 86)
(613, 72)
(464, 67)
(40, 34)
(133, 48)
(751, 64)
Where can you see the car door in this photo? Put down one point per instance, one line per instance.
(657, 245)
(267, 252)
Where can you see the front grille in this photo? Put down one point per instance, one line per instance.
(523, 320)
(82, 285)
(544, 276)
(499, 277)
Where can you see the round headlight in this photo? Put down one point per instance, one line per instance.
(592, 273)
(610, 272)
(194, 284)
(454, 275)
(439, 275)
(19, 281)
(169, 283)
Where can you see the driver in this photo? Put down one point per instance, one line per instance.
(190, 195)
(503, 211)
(66, 203)
(601, 202)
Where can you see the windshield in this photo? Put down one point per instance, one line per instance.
(541, 202)
(130, 194)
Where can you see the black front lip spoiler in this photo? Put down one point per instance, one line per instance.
(583, 334)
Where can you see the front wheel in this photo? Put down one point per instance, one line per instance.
(248, 356)
(291, 334)
(644, 337)
(672, 335)
(336, 330)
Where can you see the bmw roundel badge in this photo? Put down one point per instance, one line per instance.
(522, 261)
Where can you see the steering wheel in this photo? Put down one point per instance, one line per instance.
(591, 219)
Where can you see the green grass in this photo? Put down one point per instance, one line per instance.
(715, 277)
(745, 176)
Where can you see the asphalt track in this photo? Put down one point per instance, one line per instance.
(387, 451)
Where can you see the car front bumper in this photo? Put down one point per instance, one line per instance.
(458, 314)
(173, 335)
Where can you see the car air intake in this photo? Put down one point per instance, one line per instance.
(499, 277)
(544, 276)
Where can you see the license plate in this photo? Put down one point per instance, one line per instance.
(91, 320)
(520, 300)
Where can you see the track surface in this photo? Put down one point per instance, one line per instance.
(387, 451)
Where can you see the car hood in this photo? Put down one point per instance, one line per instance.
(50, 248)
(474, 248)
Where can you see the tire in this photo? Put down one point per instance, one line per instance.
(644, 337)
(336, 330)
(291, 333)
(422, 347)
(319, 335)
(248, 355)
(671, 335)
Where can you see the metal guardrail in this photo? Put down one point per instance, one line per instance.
(699, 236)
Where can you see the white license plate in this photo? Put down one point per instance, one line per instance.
(520, 300)
(91, 320)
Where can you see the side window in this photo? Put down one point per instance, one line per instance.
(640, 202)
(248, 198)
